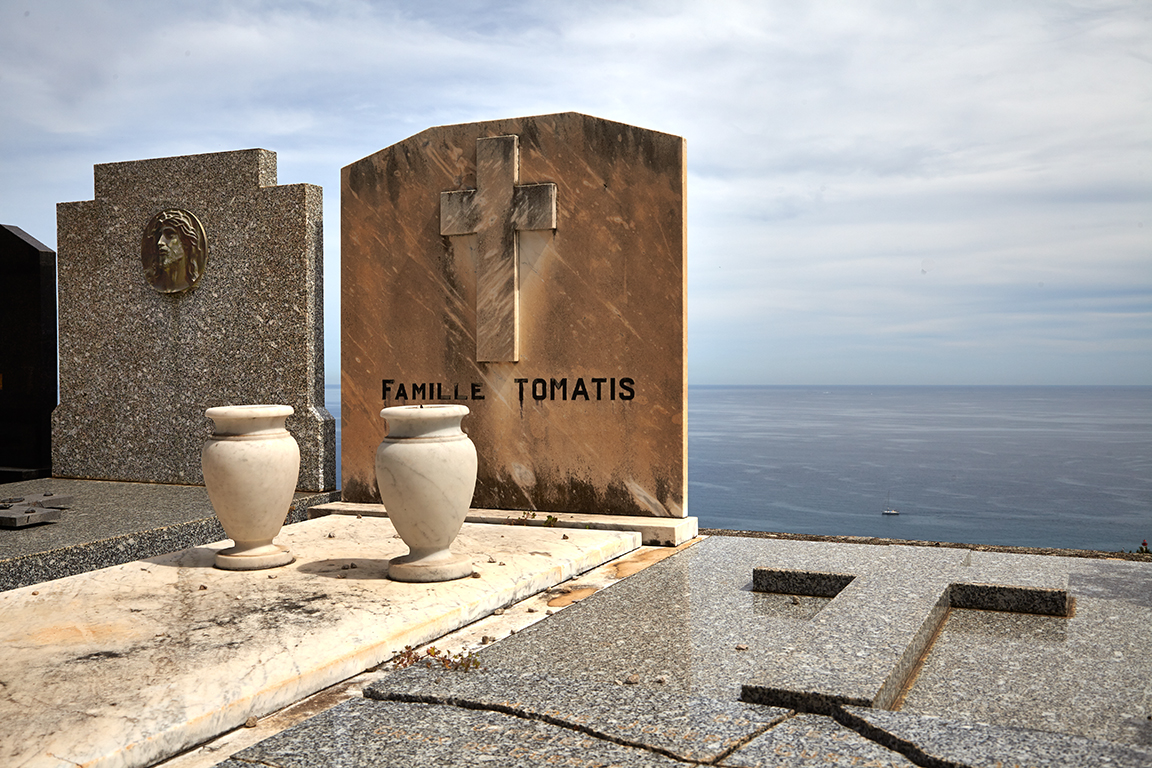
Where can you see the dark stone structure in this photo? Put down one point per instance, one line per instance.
(27, 355)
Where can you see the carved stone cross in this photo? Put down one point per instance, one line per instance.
(864, 647)
(495, 211)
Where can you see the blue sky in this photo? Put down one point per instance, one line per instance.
(878, 193)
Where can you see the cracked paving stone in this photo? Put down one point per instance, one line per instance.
(814, 740)
(989, 746)
(689, 727)
(362, 732)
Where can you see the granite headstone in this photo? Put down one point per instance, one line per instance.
(532, 269)
(27, 355)
(188, 282)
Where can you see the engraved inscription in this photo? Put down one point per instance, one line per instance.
(173, 251)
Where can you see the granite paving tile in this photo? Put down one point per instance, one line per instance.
(1089, 674)
(956, 741)
(807, 741)
(363, 732)
(691, 728)
(691, 621)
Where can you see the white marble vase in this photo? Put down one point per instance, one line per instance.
(426, 472)
(251, 465)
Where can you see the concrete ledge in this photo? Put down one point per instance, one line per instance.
(654, 531)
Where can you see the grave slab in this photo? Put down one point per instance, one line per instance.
(1090, 674)
(654, 663)
(654, 531)
(111, 523)
(186, 283)
(888, 603)
(532, 269)
(694, 622)
(27, 355)
(203, 649)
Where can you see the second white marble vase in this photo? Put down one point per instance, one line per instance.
(426, 472)
(251, 465)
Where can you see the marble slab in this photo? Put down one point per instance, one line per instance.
(693, 622)
(130, 664)
(532, 269)
(138, 367)
(654, 531)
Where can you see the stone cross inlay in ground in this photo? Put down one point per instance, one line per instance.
(495, 211)
(863, 648)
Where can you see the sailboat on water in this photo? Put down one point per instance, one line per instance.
(888, 509)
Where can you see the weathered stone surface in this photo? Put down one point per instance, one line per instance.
(690, 728)
(132, 664)
(887, 607)
(361, 733)
(27, 355)
(543, 289)
(138, 367)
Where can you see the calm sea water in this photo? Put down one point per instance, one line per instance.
(1025, 466)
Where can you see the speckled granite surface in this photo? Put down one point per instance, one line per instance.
(652, 668)
(687, 727)
(361, 733)
(111, 523)
(138, 367)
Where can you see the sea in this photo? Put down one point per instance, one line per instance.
(1065, 467)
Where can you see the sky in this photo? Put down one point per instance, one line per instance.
(878, 192)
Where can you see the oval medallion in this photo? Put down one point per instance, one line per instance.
(173, 251)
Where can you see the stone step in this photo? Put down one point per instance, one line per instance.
(655, 531)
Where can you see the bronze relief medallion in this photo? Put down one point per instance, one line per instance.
(173, 251)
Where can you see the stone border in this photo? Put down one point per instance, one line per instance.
(1085, 553)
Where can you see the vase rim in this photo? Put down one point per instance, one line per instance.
(249, 411)
(431, 411)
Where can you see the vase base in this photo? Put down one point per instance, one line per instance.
(271, 556)
(453, 567)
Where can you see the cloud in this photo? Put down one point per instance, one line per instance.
(835, 150)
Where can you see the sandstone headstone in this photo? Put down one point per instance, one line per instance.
(27, 355)
(532, 269)
(188, 282)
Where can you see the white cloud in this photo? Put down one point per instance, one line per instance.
(865, 178)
